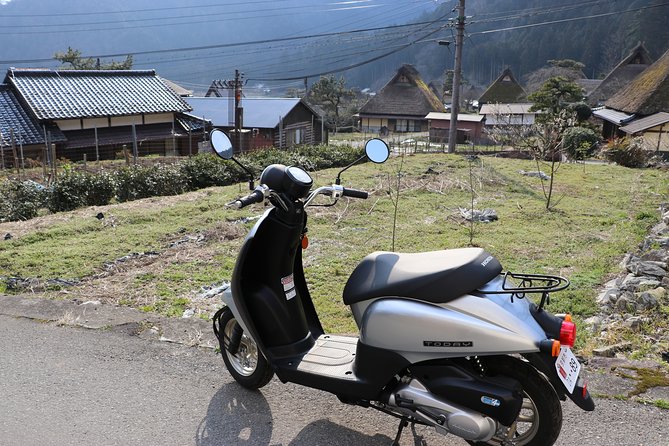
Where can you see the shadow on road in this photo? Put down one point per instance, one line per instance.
(237, 417)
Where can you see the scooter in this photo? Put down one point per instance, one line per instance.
(447, 339)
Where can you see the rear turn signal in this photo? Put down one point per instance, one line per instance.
(567, 333)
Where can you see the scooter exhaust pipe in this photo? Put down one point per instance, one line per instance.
(446, 417)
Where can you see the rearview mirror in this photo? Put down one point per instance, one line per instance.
(221, 144)
(377, 150)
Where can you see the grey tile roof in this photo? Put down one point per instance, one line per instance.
(67, 94)
(262, 113)
(643, 124)
(13, 117)
(612, 116)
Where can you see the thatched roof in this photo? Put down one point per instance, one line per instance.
(406, 94)
(504, 90)
(630, 67)
(648, 93)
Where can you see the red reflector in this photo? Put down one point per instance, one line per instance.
(568, 333)
(585, 390)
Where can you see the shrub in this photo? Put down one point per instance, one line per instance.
(627, 152)
(69, 192)
(582, 110)
(101, 188)
(206, 170)
(21, 200)
(138, 182)
(579, 142)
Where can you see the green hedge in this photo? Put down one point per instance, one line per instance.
(22, 200)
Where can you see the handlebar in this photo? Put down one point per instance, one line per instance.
(257, 196)
(355, 193)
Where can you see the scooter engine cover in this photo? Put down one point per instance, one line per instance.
(500, 397)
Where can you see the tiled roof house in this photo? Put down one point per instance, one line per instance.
(104, 106)
(401, 105)
(17, 127)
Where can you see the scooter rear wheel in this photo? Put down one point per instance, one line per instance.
(540, 418)
(247, 365)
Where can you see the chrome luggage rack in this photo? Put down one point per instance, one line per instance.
(530, 284)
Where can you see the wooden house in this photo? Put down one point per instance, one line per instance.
(21, 135)
(267, 122)
(508, 114)
(653, 130)
(100, 112)
(504, 90)
(401, 105)
(629, 68)
(469, 127)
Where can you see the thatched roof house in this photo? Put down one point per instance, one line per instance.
(505, 90)
(401, 105)
(630, 67)
(648, 93)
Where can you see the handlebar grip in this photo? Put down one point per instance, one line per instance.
(254, 197)
(355, 193)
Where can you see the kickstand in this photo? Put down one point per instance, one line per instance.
(404, 422)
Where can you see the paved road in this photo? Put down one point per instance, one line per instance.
(72, 386)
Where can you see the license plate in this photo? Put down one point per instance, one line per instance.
(568, 368)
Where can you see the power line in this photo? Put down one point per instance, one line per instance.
(223, 45)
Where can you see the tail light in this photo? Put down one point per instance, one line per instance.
(567, 333)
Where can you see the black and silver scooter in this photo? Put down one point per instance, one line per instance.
(447, 339)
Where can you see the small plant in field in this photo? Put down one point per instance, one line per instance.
(627, 152)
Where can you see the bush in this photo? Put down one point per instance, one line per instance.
(582, 110)
(627, 152)
(69, 192)
(206, 170)
(101, 188)
(579, 142)
(138, 182)
(21, 200)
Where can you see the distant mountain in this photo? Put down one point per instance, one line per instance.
(598, 42)
(33, 30)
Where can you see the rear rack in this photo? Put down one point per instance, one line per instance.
(531, 284)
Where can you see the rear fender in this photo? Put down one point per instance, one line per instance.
(546, 364)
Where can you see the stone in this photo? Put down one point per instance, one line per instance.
(639, 283)
(608, 297)
(629, 262)
(188, 313)
(665, 218)
(648, 300)
(611, 350)
(634, 323)
(656, 255)
(625, 305)
(649, 268)
(594, 323)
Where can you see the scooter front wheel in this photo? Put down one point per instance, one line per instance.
(247, 365)
(540, 419)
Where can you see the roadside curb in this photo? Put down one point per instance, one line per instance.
(192, 332)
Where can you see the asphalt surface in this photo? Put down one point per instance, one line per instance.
(76, 386)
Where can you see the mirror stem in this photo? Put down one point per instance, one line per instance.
(251, 183)
(338, 180)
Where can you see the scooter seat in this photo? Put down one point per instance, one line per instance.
(436, 276)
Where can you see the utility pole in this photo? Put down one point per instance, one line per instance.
(455, 103)
(236, 86)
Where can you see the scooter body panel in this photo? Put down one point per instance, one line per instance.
(467, 326)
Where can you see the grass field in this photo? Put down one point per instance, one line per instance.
(158, 253)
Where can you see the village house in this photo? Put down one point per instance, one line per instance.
(646, 98)
(469, 127)
(267, 122)
(99, 113)
(401, 105)
(21, 135)
(508, 114)
(629, 68)
(504, 90)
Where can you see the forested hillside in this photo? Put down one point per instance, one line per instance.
(598, 42)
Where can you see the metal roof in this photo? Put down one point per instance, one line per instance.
(13, 117)
(612, 116)
(71, 94)
(462, 117)
(262, 113)
(643, 124)
(507, 109)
